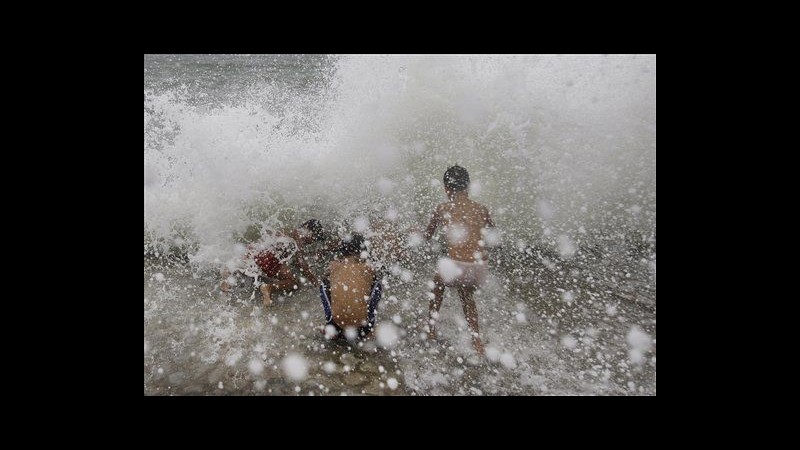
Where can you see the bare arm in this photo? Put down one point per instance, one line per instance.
(326, 275)
(489, 223)
(329, 248)
(300, 262)
(435, 221)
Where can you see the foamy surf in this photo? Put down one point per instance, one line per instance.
(560, 148)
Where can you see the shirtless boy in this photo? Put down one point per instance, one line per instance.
(464, 222)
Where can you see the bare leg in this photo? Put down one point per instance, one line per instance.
(266, 294)
(286, 282)
(435, 304)
(224, 286)
(471, 313)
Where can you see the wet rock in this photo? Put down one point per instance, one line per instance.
(176, 378)
(354, 379)
(315, 383)
(348, 359)
(194, 389)
(369, 347)
(369, 367)
(216, 374)
(375, 388)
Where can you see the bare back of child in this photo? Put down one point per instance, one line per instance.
(350, 291)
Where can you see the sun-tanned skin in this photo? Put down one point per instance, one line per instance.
(463, 221)
(350, 281)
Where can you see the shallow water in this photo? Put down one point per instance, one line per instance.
(560, 148)
(538, 343)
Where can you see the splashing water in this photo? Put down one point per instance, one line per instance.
(560, 148)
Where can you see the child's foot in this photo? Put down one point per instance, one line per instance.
(266, 293)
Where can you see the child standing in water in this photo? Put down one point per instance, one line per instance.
(465, 222)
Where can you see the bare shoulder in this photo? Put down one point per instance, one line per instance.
(482, 211)
(479, 207)
(441, 210)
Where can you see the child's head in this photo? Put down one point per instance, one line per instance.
(352, 247)
(456, 179)
(314, 228)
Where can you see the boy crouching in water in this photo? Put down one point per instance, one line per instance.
(465, 222)
(350, 292)
(270, 261)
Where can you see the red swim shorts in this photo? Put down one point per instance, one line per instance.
(268, 263)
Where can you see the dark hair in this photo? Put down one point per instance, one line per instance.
(353, 246)
(456, 178)
(315, 228)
